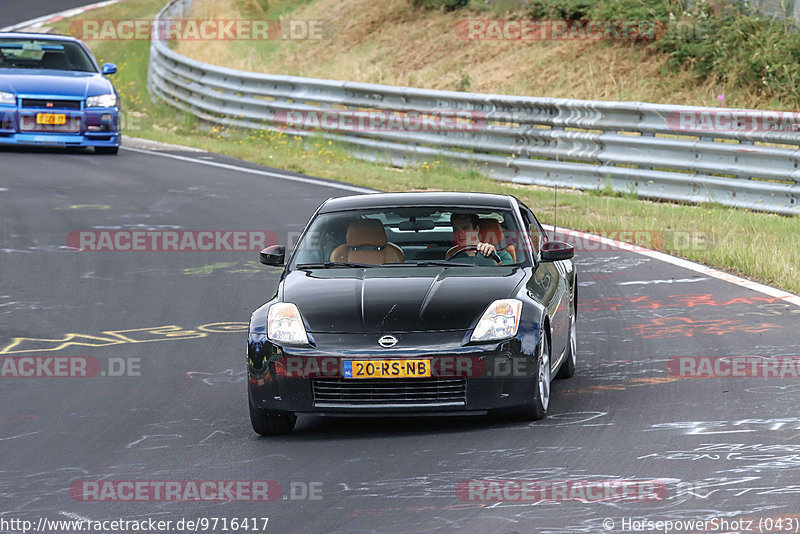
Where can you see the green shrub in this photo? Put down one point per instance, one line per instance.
(447, 5)
(464, 83)
(739, 48)
(652, 10)
(729, 43)
(559, 9)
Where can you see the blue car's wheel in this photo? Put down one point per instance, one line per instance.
(112, 150)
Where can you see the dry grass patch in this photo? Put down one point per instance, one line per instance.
(389, 42)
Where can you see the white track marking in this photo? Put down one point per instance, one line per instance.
(21, 435)
(667, 281)
(236, 168)
(38, 22)
(686, 264)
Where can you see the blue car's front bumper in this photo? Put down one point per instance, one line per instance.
(95, 127)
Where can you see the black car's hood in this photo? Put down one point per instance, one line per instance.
(397, 299)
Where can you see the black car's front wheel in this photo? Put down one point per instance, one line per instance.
(537, 408)
(568, 367)
(271, 424)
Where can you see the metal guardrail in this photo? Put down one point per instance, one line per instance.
(627, 146)
(785, 9)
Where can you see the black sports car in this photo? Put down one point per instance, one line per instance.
(414, 304)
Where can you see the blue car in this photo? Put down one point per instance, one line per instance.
(52, 93)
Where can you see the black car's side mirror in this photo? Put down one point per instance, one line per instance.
(557, 251)
(272, 255)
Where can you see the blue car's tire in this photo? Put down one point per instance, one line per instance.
(111, 150)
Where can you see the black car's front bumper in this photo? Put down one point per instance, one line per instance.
(465, 378)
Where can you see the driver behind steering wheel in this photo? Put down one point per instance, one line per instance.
(466, 233)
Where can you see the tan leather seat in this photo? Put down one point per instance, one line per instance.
(367, 243)
(491, 232)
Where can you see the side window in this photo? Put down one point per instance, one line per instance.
(535, 230)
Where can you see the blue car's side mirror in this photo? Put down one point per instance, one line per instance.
(109, 68)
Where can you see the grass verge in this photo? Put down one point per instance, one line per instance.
(759, 246)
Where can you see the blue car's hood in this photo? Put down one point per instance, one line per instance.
(27, 82)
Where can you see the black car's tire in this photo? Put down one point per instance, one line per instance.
(271, 424)
(568, 367)
(537, 409)
(112, 150)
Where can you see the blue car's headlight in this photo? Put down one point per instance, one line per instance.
(499, 321)
(102, 101)
(8, 98)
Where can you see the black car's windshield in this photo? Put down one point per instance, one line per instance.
(44, 54)
(409, 236)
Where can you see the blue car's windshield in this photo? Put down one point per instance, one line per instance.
(44, 54)
(411, 235)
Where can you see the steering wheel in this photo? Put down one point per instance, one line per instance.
(462, 250)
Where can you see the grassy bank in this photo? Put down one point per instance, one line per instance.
(759, 246)
(711, 54)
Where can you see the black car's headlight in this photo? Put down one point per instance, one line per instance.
(285, 325)
(102, 101)
(8, 98)
(499, 321)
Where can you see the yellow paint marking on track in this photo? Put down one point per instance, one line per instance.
(209, 269)
(120, 337)
(636, 382)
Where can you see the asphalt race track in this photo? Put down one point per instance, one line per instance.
(16, 11)
(172, 324)
(716, 447)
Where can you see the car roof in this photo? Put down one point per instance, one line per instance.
(38, 36)
(385, 200)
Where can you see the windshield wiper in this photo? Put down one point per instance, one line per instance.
(434, 263)
(331, 264)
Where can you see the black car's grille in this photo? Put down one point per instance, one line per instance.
(50, 104)
(389, 392)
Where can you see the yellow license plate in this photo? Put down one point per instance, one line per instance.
(54, 119)
(387, 369)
